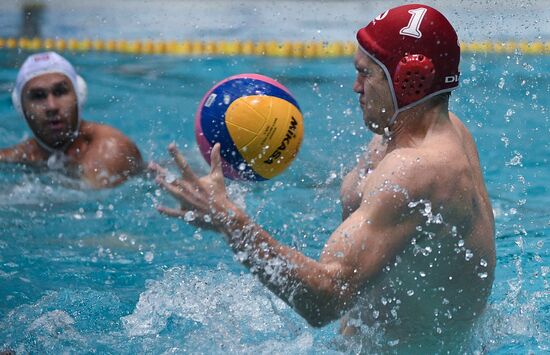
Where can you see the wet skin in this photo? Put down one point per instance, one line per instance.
(100, 155)
(415, 248)
(446, 271)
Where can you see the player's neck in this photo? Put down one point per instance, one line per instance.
(413, 125)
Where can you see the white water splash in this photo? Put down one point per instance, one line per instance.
(234, 303)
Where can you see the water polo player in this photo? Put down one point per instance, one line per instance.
(49, 95)
(415, 253)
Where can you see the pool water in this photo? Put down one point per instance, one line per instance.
(101, 271)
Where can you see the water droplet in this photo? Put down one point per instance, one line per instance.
(170, 178)
(207, 218)
(454, 232)
(393, 342)
(516, 159)
(468, 255)
(174, 227)
(505, 140)
(149, 256)
(461, 243)
(410, 292)
(422, 274)
(483, 263)
(242, 166)
(189, 216)
(482, 275)
(428, 208)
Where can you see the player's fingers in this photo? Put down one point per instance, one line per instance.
(216, 162)
(176, 190)
(185, 169)
(156, 168)
(171, 212)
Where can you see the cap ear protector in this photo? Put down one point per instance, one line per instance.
(413, 78)
(81, 89)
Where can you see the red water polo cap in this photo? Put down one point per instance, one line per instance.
(418, 49)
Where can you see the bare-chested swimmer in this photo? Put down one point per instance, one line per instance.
(49, 95)
(415, 251)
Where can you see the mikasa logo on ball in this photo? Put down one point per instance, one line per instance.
(290, 134)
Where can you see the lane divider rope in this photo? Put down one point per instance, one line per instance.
(289, 49)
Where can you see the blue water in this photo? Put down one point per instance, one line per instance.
(101, 271)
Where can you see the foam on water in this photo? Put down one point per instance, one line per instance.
(202, 297)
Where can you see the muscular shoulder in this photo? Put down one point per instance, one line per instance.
(110, 155)
(418, 173)
(97, 133)
(107, 140)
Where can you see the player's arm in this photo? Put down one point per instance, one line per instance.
(24, 152)
(320, 291)
(111, 161)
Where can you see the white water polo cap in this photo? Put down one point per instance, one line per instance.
(47, 63)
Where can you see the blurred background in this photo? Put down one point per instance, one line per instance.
(326, 20)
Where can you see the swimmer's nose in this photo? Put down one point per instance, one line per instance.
(358, 85)
(51, 102)
(52, 105)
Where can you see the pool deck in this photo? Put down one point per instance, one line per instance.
(305, 20)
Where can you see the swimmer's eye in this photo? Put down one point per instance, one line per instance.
(363, 72)
(60, 90)
(37, 95)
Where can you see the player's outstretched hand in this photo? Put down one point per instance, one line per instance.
(203, 201)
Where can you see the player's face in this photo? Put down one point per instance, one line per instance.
(374, 93)
(50, 106)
